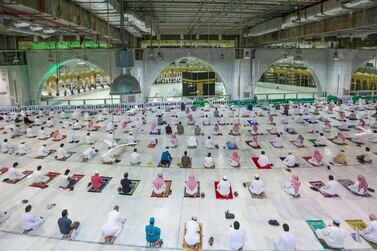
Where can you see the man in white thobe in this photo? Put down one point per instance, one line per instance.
(42, 134)
(15, 174)
(223, 187)
(61, 153)
(236, 237)
(256, 185)
(209, 162)
(263, 159)
(89, 153)
(192, 236)
(130, 139)
(6, 147)
(88, 139)
(290, 160)
(321, 140)
(370, 233)
(22, 148)
(285, 241)
(29, 132)
(209, 143)
(42, 151)
(332, 235)
(29, 221)
(110, 140)
(38, 177)
(330, 187)
(113, 225)
(135, 158)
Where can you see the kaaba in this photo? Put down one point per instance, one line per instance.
(198, 83)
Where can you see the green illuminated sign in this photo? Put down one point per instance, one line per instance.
(61, 45)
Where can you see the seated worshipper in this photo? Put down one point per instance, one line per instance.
(290, 160)
(29, 221)
(316, 159)
(27, 121)
(254, 130)
(159, 186)
(236, 129)
(223, 187)
(29, 132)
(192, 142)
(38, 121)
(185, 161)
(152, 141)
(160, 121)
(9, 128)
(61, 153)
(66, 226)
(131, 139)
(91, 126)
(320, 141)
(352, 116)
(270, 119)
(235, 159)
(209, 162)
(278, 142)
(86, 116)
(374, 125)
(236, 237)
(39, 178)
(42, 134)
(180, 129)
(316, 111)
(89, 153)
(110, 126)
(254, 141)
(231, 144)
(125, 185)
(96, 182)
(373, 137)
(14, 174)
(66, 124)
(66, 181)
(361, 138)
(152, 234)
(273, 130)
(88, 139)
(135, 158)
(216, 113)
(190, 119)
(340, 157)
(72, 138)
(154, 130)
(221, 120)
(263, 160)
(216, 130)
(173, 141)
(100, 117)
(306, 109)
(105, 111)
(17, 132)
(333, 235)
(360, 187)
(113, 225)
(62, 115)
(191, 186)
(285, 241)
(340, 139)
(209, 143)
(56, 136)
(165, 158)
(168, 129)
(43, 151)
(197, 130)
(293, 188)
(3, 216)
(6, 147)
(256, 186)
(110, 140)
(327, 127)
(370, 233)
(76, 125)
(366, 157)
(361, 124)
(206, 121)
(330, 188)
(23, 149)
(289, 128)
(192, 236)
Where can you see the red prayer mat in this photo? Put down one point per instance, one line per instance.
(220, 197)
(255, 160)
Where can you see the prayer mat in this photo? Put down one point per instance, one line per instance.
(357, 143)
(160, 164)
(272, 144)
(360, 225)
(255, 160)
(269, 131)
(70, 155)
(185, 247)
(50, 175)
(250, 132)
(332, 140)
(310, 122)
(3, 170)
(293, 143)
(251, 122)
(255, 196)
(228, 146)
(306, 158)
(318, 184)
(232, 134)
(197, 195)
(76, 129)
(168, 190)
(63, 137)
(77, 177)
(342, 129)
(290, 132)
(107, 181)
(296, 165)
(317, 224)
(254, 147)
(152, 145)
(46, 138)
(134, 184)
(158, 132)
(49, 153)
(220, 197)
(347, 182)
(314, 144)
(95, 128)
(25, 173)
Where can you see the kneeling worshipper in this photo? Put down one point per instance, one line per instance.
(223, 187)
(316, 159)
(56, 136)
(152, 141)
(168, 129)
(110, 140)
(173, 141)
(290, 160)
(254, 141)
(360, 187)
(254, 130)
(90, 126)
(209, 162)
(89, 153)
(66, 226)
(256, 186)
(38, 177)
(152, 234)
(330, 188)
(29, 221)
(96, 181)
(361, 124)
(366, 157)
(263, 160)
(100, 117)
(38, 121)
(340, 139)
(192, 236)
(333, 235)
(327, 127)
(192, 142)
(154, 129)
(320, 141)
(22, 148)
(76, 125)
(131, 139)
(110, 126)
(125, 185)
(352, 116)
(198, 130)
(180, 128)
(72, 138)
(293, 188)
(185, 161)
(285, 241)
(206, 121)
(135, 158)
(221, 120)
(88, 139)
(43, 151)
(236, 237)
(14, 174)
(66, 124)
(6, 147)
(190, 119)
(290, 129)
(159, 186)
(209, 143)
(231, 144)
(236, 128)
(42, 134)
(299, 142)
(66, 181)
(165, 158)
(273, 130)
(340, 157)
(370, 233)
(191, 185)
(235, 159)
(61, 153)
(278, 142)
(113, 225)
(29, 132)
(216, 130)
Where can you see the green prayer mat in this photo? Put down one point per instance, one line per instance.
(313, 142)
(317, 224)
(360, 225)
(261, 196)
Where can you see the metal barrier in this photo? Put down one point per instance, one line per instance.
(287, 95)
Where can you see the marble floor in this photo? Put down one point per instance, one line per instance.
(172, 213)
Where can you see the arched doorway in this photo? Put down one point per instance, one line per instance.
(364, 79)
(287, 76)
(186, 78)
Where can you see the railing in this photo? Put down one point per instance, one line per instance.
(90, 101)
(287, 95)
(186, 98)
(364, 93)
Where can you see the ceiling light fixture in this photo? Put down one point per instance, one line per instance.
(48, 31)
(21, 24)
(36, 28)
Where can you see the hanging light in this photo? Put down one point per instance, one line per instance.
(21, 24)
(335, 57)
(36, 28)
